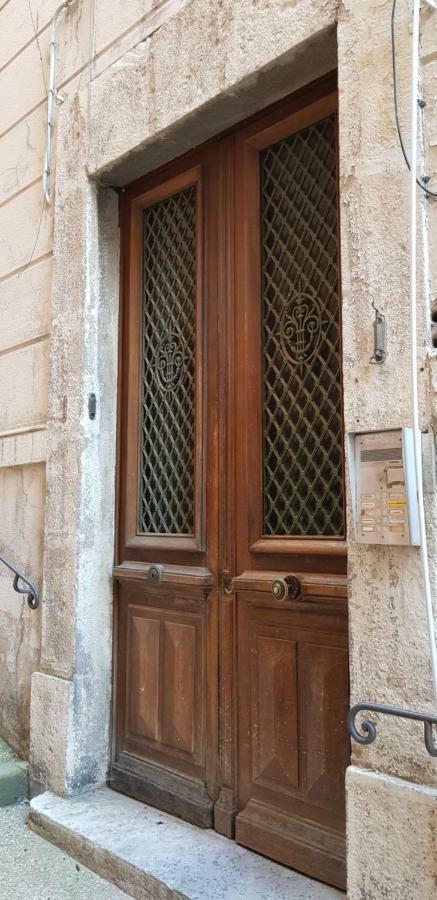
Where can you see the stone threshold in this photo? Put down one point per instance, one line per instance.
(149, 854)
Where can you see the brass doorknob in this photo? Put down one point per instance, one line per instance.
(287, 588)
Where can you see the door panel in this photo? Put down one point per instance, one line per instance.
(143, 640)
(291, 655)
(323, 676)
(162, 439)
(273, 689)
(165, 748)
(165, 691)
(162, 739)
(292, 749)
(288, 325)
(231, 611)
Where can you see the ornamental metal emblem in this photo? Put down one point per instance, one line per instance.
(170, 357)
(301, 327)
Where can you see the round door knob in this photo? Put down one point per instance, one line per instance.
(287, 588)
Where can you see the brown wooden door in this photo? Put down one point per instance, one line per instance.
(231, 652)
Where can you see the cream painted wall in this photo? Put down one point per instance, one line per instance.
(26, 228)
(92, 35)
(25, 290)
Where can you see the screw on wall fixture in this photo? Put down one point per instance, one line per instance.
(379, 338)
(92, 406)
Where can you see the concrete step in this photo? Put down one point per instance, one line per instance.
(149, 854)
(13, 777)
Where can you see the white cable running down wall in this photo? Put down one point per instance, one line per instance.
(51, 97)
(413, 337)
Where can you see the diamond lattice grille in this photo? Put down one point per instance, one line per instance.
(303, 461)
(168, 397)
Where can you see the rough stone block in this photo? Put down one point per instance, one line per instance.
(391, 838)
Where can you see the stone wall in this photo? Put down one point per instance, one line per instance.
(141, 85)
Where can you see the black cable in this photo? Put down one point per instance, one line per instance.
(423, 187)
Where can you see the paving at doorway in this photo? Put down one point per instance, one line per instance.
(33, 869)
(150, 854)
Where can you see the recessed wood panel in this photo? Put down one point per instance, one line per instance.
(323, 697)
(178, 688)
(165, 691)
(274, 709)
(162, 742)
(143, 677)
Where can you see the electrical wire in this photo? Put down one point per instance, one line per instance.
(43, 206)
(413, 349)
(419, 182)
(51, 98)
(38, 44)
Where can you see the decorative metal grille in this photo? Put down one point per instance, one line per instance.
(302, 438)
(168, 391)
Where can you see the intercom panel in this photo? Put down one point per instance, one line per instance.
(385, 488)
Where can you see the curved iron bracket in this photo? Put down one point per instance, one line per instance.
(368, 729)
(30, 589)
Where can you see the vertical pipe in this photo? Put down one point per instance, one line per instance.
(413, 337)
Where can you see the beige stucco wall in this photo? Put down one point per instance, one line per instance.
(142, 82)
(89, 40)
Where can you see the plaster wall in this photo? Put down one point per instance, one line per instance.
(389, 650)
(88, 41)
(26, 254)
(140, 87)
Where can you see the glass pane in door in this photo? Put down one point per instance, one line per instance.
(166, 503)
(302, 430)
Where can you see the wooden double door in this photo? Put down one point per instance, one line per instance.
(231, 664)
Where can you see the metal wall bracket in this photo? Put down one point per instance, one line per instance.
(368, 729)
(30, 590)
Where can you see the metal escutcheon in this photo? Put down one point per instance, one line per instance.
(154, 575)
(287, 588)
(227, 586)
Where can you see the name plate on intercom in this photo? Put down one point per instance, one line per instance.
(386, 508)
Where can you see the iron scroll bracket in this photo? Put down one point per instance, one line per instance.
(30, 589)
(367, 734)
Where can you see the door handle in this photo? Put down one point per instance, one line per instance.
(286, 588)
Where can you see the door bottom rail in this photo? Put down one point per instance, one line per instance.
(367, 733)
